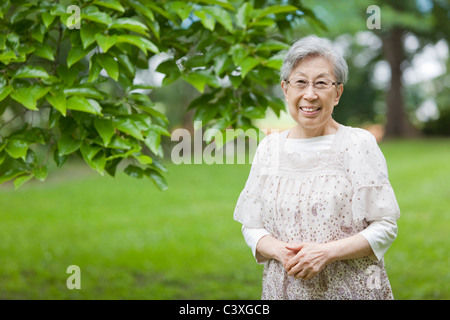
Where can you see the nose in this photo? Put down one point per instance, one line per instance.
(309, 93)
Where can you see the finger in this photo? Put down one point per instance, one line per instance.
(294, 246)
(290, 263)
(295, 269)
(294, 260)
(302, 274)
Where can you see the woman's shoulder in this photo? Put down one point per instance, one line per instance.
(268, 148)
(272, 137)
(356, 137)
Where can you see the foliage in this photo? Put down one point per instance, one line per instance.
(71, 90)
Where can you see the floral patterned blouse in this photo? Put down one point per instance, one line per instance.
(320, 197)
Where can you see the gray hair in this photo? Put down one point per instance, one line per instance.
(311, 46)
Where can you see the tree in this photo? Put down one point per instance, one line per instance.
(66, 76)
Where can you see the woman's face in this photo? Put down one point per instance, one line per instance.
(312, 108)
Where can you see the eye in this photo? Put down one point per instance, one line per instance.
(321, 84)
(301, 83)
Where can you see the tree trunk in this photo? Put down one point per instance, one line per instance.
(398, 124)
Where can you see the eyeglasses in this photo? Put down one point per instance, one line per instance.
(302, 84)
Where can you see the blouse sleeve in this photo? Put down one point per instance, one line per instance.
(249, 205)
(252, 237)
(380, 234)
(373, 197)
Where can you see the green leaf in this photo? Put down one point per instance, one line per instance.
(87, 92)
(44, 51)
(94, 67)
(68, 75)
(85, 105)
(238, 53)
(25, 97)
(67, 145)
(76, 54)
(129, 24)
(182, 9)
(17, 148)
(88, 33)
(248, 64)
(98, 163)
(157, 178)
(30, 72)
(111, 4)
(134, 171)
(7, 56)
(110, 65)
(105, 128)
(207, 21)
(128, 126)
(4, 91)
(118, 142)
(243, 15)
(254, 112)
(96, 16)
(221, 63)
(142, 43)
(275, 9)
(153, 141)
(125, 61)
(221, 16)
(153, 112)
(89, 150)
(274, 63)
(106, 42)
(4, 7)
(272, 45)
(12, 173)
(223, 3)
(58, 101)
(144, 159)
(19, 181)
(196, 79)
(48, 18)
(142, 9)
(40, 173)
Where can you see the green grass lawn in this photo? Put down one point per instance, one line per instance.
(132, 241)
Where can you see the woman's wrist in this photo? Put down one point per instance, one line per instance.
(270, 248)
(353, 247)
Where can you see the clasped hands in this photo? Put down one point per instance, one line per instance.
(304, 260)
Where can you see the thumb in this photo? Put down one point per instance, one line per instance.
(294, 246)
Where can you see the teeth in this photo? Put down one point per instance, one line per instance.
(310, 109)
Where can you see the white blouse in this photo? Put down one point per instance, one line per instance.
(379, 233)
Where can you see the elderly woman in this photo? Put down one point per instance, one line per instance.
(318, 209)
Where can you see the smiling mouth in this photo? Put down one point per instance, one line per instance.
(310, 110)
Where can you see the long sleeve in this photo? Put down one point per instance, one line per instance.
(373, 196)
(380, 234)
(252, 237)
(249, 205)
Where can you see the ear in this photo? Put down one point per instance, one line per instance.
(284, 87)
(339, 91)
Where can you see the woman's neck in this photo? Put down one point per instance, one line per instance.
(300, 132)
